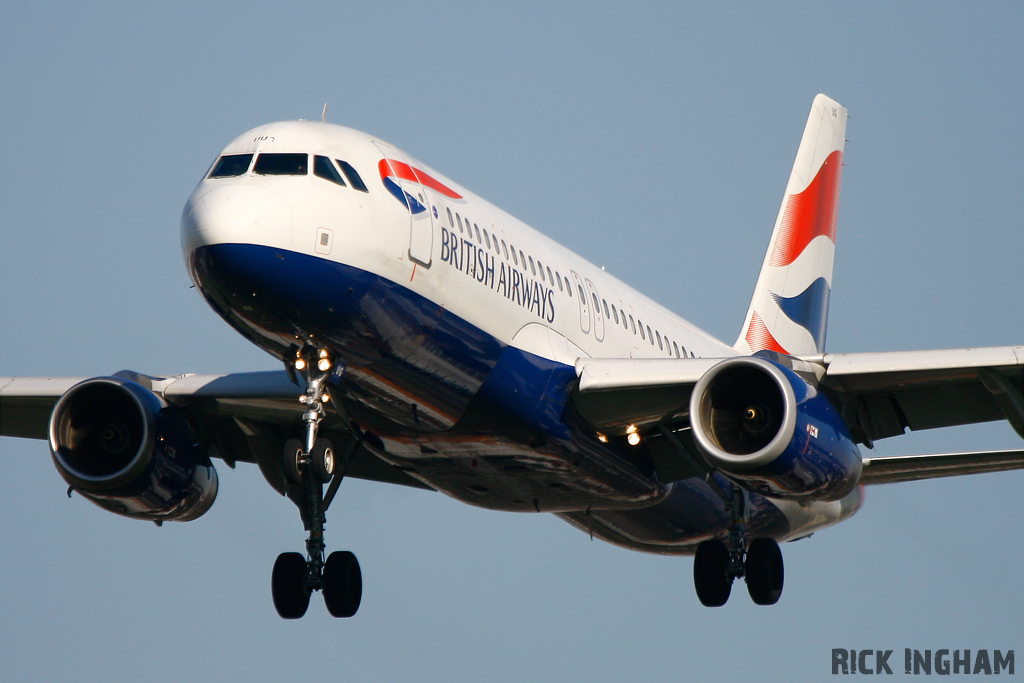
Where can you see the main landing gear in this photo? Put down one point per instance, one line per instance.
(716, 564)
(311, 464)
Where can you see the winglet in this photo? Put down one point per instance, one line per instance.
(789, 309)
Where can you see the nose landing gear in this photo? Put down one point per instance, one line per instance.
(311, 463)
(716, 564)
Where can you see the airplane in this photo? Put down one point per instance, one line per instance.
(429, 339)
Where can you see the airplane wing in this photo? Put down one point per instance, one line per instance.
(883, 394)
(879, 395)
(240, 417)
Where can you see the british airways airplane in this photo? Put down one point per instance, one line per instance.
(430, 339)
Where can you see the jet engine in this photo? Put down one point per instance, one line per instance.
(127, 450)
(764, 427)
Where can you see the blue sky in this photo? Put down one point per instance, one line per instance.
(653, 139)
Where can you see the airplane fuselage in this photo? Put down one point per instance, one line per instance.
(459, 328)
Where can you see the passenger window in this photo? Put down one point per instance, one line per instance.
(487, 239)
(568, 287)
(650, 338)
(476, 227)
(353, 177)
(458, 219)
(659, 340)
(451, 221)
(641, 326)
(558, 276)
(532, 267)
(514, 259)
(597, 306)
(282, 164)
(550, 279)
(676, 347)
(323, 168)
(231, 165)
(615, 314)
(607, 313)
(541, 267)
(522, 258)
(504, 248)
(632, 324)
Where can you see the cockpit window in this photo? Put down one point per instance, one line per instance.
(282, 164)
(231, 165)
(353, 177)
(323, 168)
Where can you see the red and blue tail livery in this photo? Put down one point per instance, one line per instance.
(789, 309)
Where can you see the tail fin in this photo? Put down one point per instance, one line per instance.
(789, 309)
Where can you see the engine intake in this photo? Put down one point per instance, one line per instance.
(127, 450)
(764, 427)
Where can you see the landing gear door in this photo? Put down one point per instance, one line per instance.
(400, 180)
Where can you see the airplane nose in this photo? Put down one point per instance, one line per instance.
(234, 214)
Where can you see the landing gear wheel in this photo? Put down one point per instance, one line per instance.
(711, 573)
(343, 584)
(308, 464)
(764, 571)
(321, 460)
(291, 598)
(293, 461)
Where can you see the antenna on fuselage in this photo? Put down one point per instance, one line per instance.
(323, 114)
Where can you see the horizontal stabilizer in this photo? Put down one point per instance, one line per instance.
(896, 468)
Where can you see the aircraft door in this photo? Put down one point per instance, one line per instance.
(598, 313)
(400, 180)
(581, 297)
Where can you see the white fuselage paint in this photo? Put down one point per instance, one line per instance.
(481, 284)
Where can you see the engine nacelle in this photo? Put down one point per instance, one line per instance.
(764, 427)
(127, 450)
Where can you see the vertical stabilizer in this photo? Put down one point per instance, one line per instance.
(789, 309)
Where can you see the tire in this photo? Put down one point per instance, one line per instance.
(711, 573)
(321, 460)
(291, 458)
(765, 571)
(288, 585)
(343, 584)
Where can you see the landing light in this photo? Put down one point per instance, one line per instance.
(324, 364)
(602, 438)
(631, 429)
(633, 438)
(300, 364)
